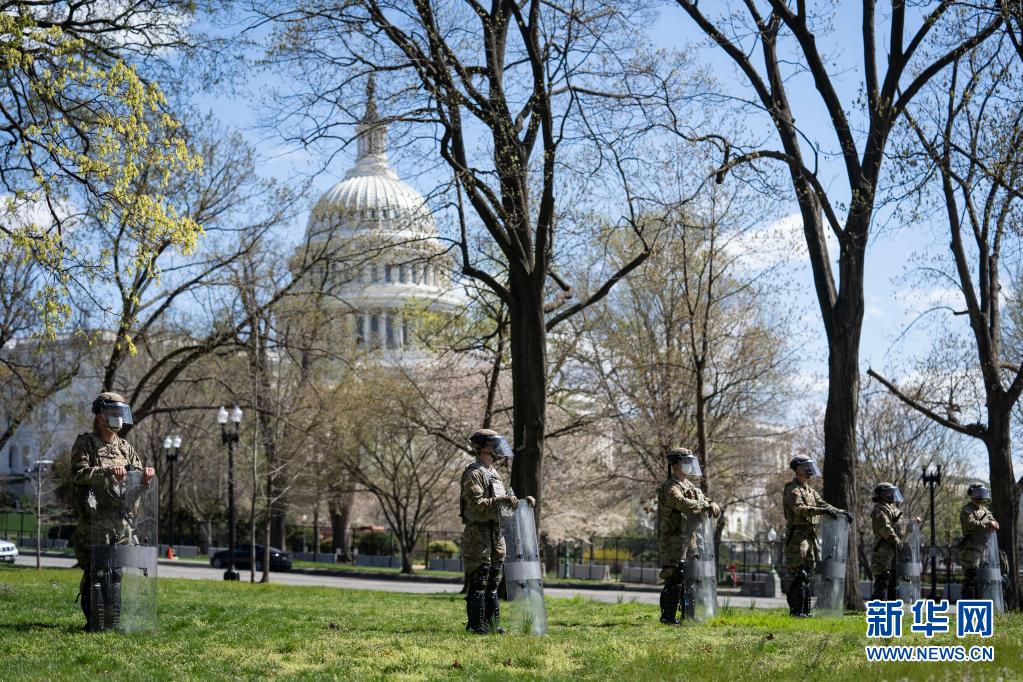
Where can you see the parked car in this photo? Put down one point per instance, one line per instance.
(8, 551)
(279, 561)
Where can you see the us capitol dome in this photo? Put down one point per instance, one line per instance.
(391, 262)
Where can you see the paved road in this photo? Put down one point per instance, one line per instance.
(193, 571)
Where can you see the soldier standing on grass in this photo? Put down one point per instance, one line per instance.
(890, 528)
(680, 504)
(482, 494)
(99, 460)
(803, 507)
(976, 521)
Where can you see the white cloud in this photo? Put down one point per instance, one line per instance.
(779, 242)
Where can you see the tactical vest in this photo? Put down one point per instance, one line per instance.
(494, 488)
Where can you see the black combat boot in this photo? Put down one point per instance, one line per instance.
(805, 594)
(880, 590)
(113, 606)
(492, 612)
(671, 594)
(475, 611)
(97, 620)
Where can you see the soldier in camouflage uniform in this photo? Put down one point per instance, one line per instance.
(976, 521)
(482, 494)
(890, 527)
(99, 460)
(680, 503)
(803, 507)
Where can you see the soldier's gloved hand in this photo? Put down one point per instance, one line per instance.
(513, 501)
(714, 510)
(832, 512)
(847, 515)
(993, 525)
(119, 472)
(147, 474)
(531, 500)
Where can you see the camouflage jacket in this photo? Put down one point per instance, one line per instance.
(679, 505)
(480, 490)
(803, 507)
(91, 462)
(888, 523)
(975, 520)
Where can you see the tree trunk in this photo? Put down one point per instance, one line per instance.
(1004, 493)
(840, 433)
(279, 526)
(340, 524)
(266, 551)
(407, 548)
(529, 380)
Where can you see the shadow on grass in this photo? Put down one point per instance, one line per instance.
(29, 627)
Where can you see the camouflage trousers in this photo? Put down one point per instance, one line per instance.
(800, 550)
(883, 557)
(481, 544)
(970, 556)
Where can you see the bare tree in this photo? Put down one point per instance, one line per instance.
(970, 132)
(502, 94)
(787, 42)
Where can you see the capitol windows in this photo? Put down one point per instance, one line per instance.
(360, 333)
(389, 325)
(401, 274)
(374, 329)
(415, 273)
(12, 452)
(388, 276)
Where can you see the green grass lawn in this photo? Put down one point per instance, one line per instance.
(236, 630)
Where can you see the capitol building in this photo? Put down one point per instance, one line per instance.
(390, 260)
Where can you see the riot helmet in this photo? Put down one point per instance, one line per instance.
(685, 458)
(889, 492)
(806, 464)
(979, 492)
(114, 408)
(499, 448)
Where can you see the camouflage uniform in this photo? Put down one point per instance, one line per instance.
(679, 505)
(99, 521)
(890, 532)
(975, 521)
(803, 507)
(483, 547)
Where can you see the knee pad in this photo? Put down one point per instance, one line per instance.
(679, 576)
(478, 580)
(493, 577)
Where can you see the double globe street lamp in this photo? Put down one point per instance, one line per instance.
(230, 437)
(172, 447)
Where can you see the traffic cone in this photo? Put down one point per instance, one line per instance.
(170, 552)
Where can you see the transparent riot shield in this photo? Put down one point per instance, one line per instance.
(526, 612)
(703, 584)
(122, 577)
(989, 575)
(830, 577)
(908, 566)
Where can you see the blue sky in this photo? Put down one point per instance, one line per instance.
(892, 300)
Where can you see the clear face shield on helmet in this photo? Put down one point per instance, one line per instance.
(115, 414)
(810, 468)
(690, 466)
(981, 494)
(893, 495)
(500, 449)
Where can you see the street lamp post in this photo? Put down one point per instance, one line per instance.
(172, 446)
(230, 437)
(931, 479)
(40, 465)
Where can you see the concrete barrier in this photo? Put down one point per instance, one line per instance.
(46, 544)
(446, 565)
(323, 558)
(640, 574)
(381, 561)
(585, 571)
